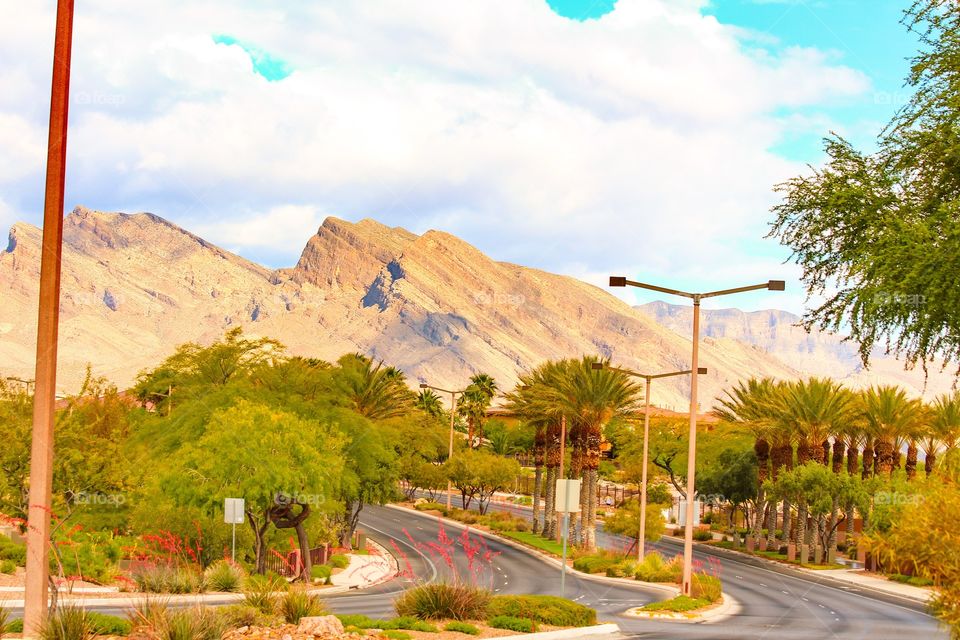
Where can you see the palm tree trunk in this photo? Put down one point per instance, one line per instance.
(787, 521)
(883, 450)
(911, 466)
(930, 463)
(867, 461)
(537, 489)
(550, 505)
(772, 525)
(839, 449)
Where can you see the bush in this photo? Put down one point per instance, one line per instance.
(8, 567)
(916, 581)
(623, 569)
(396, 635)
(164, 579)
(702, 535)
(678, 604)
(190, 624)
(513, 624)
(462, 627)
(596, 563)
(406, 623)
(241, 615)
(443, 601)
(655, 569)
(339, 561)
(4, 622)
(706, 587)
(223, 576)
(10, 550)
(68, 623)
(296, 604)
(260, 592)
(104, 625)
(551, 610)
(321, 572)
(15, 626)
(429, 506)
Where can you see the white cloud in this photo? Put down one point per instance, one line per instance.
(636, 143)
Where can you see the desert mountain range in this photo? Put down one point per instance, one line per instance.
(135, 286)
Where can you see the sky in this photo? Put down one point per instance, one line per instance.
(585, 137)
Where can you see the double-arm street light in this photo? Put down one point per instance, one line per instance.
(646, 440)
(453, 417)
(772, 285)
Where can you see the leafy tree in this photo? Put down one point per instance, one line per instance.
(733, 480)
(375, 391)
(625, 521)
(421, 475)
(474, 404)
(429, 402)
(478, 475)
(878, 235)
(282, 465)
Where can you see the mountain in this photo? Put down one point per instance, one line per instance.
(135, 286)
(814, 353)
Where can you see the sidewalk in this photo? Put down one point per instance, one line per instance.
(366, 571)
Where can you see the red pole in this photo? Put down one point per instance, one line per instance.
(44, 398)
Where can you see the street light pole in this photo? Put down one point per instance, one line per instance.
(48, 322)
(772, 285)
(453, 414)
(648, 378)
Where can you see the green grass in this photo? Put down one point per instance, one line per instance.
(532, 539)
(462, 627)
(551, 610)
(680, 604)
(520, 625)
(916, 581)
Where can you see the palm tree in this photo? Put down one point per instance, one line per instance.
(749, 405)
(890, 414)
(943, 429)
(475, 403)
(375, 391)
(429, 402)
(815, 410)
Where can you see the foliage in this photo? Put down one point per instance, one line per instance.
(163, 623)
(707, 587)
(373, 390)
(223, 576)
(241, 615)
(521, 625)
(679, 604)
(322, 572)
(106, 625)
(538, 542)
(597, 562)
(167, 579)
(478, 475)
(261, 592)
(339, 561)
(878, 235)
(297, 603)
(9, 550)
(655, 568)
(626, 520)
(443, 601)
(67, 623)
(8, 566)
(462, 627)
(549, 610)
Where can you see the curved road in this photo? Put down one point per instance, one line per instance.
(773, 604)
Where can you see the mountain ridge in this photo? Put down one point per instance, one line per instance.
(136, 285)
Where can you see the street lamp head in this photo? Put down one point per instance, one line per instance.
(424, 386)
(618, 281)
(596, 366)
(777, 285)
(701, 370)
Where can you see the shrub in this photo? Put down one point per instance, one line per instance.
(10, 550)
(655, 569)
(550, 610)
(68, 623)
(296, 604)
(678, 604)
(164, 579)
(8, 566)
(462, 627)
(406, 623)
(241, 615)
(321, 572)
(339, 561)
(104, 625)
(702, 535)
(429, 506)
(4, 621)
(623, 569)
(190, 624)
(513, 624)
(260, 592)
(597, 563)
(440, 600)
(223, 576)
(706, 587)
(396, 635)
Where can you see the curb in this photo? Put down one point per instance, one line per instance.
(672, 591)
(799, 572)
(578, 632)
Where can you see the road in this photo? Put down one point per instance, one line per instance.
(778, 604)
(773, 605)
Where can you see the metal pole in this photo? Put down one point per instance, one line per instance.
(643, 477)
(453, 413)
(48, 318)
(563, 453)
(233, 546)
(566, 528)
(691, 454)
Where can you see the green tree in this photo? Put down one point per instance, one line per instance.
(474, 404)
(282, 465)
(477, 475)
(375, 391)
(890, 415)
(878, 235)
(625, 521)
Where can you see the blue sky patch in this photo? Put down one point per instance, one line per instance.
(582, 9)
(270, 67)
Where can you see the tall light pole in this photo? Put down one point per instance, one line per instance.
(48, 324)
(648, 378)
(772, 285)
(453, 416)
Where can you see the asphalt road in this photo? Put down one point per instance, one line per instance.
(778, 604)
(773, 605)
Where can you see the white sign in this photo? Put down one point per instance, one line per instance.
(682, 520)
(233, 511)
(568, 496)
